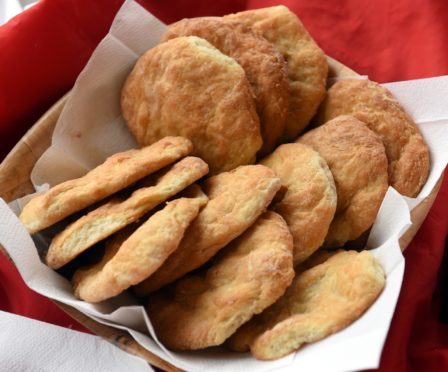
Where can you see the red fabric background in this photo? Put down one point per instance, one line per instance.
(44, 49)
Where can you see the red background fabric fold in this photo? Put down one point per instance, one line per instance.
(43, 50)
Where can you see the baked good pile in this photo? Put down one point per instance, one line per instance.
(232, 222)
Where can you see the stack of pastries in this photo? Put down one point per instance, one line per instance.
(230, 222)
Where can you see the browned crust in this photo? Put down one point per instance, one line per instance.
(320, 301)
(252, 273)
(358, 162)
(236, 199)
(116, 173)
(307, 64)
(187, 87)
(263, 64)
(118, 213)
(130, 260)
(309, 203)
(406, 150)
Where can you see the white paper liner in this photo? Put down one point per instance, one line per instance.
(42, 349)
(91, 128)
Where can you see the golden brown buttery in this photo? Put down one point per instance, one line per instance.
(236, 199)
(140, 254)
(320, 301)
(118, 213)
(406, 150)
(307, 63)
(253, 271)
(116, 173)
(263, 64)
(358, 162)
(309, 204)
(187, 87)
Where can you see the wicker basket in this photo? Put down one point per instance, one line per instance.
(15, 182)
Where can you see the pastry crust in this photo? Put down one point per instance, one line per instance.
(116, 173)
(320, 301)
(406, 150)
(307, 63)
(263, 64)
(253, 271)
(118, 213)
(309, 203)
(131, 259)
(358, 162)
(187, 87)
(236, 199)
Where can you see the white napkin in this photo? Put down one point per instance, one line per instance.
(30, 345)
(9, 9)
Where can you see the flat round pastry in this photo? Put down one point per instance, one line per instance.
(236, 199)
(309, 203)
(307, 63)
(253, 272)
(263, 64)
(116, 173)
(318, 257)
(358, 162)
(130, 259)
(118, 212)
(320, 301)
(187, 87)
(406, 150)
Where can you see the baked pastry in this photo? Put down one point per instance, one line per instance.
(129, 260)
(253, 271)
(373, 104)
(309, 203)
(357, 160)
(118, 212)
(116, 173)
(307, 63)
(187, 87)
(320, 301)
(263, 64)
(318, 257)
(236, 199)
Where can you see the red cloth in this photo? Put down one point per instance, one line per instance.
(43, 50)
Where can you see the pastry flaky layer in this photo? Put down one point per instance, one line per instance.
(116, 173)
(186, 87)
(236, 199)
(306, 62)
(358, 162)
(309, 202)
(119, 212)
(131, 258)
(321, 300)
(263, 64)
(406, 150)
(250, 274)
